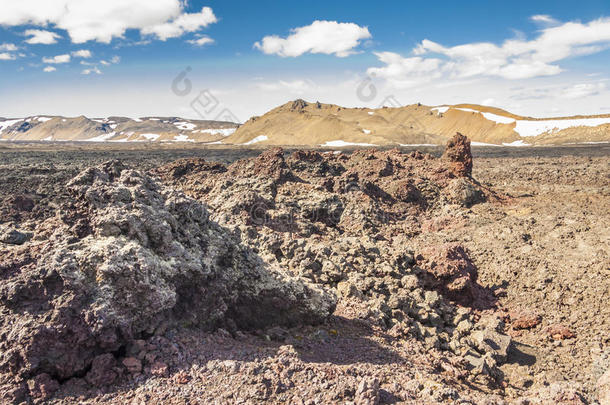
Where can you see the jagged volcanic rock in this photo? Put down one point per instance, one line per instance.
(459, 155)
(128, 258)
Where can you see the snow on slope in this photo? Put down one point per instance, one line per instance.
(7, 123)
(343, 143)
(533, 128)
(259, 138)
(527, 128)
(101, 138)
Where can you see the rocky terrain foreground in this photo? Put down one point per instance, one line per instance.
(306, 277)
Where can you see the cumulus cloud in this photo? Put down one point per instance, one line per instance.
(327, 37)
(201, 40)
(7, 56)
(41, 37)
(114, 60)
(8, 47)
(183, 23)
(514, 59)
(92, 20)
(93, 70)
(406, 72)
(83, 53)
(49, 69)
(57, 59)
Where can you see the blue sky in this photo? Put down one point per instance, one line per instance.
(537, 58)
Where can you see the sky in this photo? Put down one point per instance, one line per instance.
(235, 59)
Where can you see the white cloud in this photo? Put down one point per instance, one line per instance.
(82, 53)
(49, 69)
(7, 56)
(514, 59)
(201, 41)
(583, 90)
(41, 37)
(114, 60)
(93, 20)
(8, 47)
(184, 23)
(91, 70)
(292, 86)
(57, 59)
(327, 37)
(406, 72)
(544, 19)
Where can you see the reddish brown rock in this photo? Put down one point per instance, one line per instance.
(159, 369)
(132, 364)
(559, 332)
(182, 377)
(459, 156)
(43, 386)
(367, 392)
(102, 370)
(449, 269)
(524, 319)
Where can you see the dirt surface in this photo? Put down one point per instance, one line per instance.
(517, 257)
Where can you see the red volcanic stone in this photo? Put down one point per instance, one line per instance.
(159, 369)
(132, 364)
(524, 319)
(459, 156)
(102, 370)
(560, 332)
(42, 386)
(450, 270)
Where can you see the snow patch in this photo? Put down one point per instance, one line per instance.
(101, 138)
(151, 137)
(371, 112)
(219, 131)
(516, 143)
(534, 128)
(182, 138)
(440, 109)
(498, 119)
(417, 144)
(186, 126)
(366, 131)
(475, 143)
(340, 143)
(7, 123)
(259, 138)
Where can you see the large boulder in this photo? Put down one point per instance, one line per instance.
(126, 259)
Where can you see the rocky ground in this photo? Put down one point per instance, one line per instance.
(388, 276)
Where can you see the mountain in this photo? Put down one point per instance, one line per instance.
(114, 129)
(302, 123)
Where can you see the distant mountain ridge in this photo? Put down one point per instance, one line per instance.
(315, 124)
(304, 123)
(114, 129)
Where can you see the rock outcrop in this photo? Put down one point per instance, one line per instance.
(127, 259)
(459, 156)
